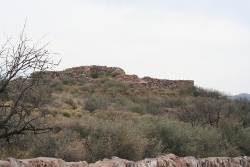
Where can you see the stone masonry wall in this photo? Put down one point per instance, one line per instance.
(92, 73)
(169, 160)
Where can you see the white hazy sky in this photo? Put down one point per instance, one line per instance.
(207, 41)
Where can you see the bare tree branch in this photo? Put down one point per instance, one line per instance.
(24, 93)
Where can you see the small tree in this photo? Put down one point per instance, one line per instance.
(22, 97)
(201, 111)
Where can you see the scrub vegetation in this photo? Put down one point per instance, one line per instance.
(92, 121)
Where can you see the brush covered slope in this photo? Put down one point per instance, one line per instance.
(96, 116)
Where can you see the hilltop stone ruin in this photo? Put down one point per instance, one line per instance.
(93, 73)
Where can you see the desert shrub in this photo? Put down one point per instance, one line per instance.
(56, 84)
(110, 137)
(96, 102)
(19, 147)
(115, 139)
(116, 84)
(135, 107)
(162, 131)
(66, 114)
(236, 135)
(142, 105)
(68, 81)
(201, 111)
(147, 125)
(94, 75)
(188, 90)
(121, 102)
(154, 148)
(115, 115)
(134, 137)
(84, 88)
(114, 88)
(242, 112)
(71, 102)
(203, 142)
(202, 92)
(184, 140)
(81, 81)
(102, 74)
(236, 110)
(173, 102)
(114, 74)
(65, 145)
(153, 105)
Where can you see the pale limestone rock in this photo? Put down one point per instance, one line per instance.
(4, 163)
(169, 160)
(77, 164)
(152, 163)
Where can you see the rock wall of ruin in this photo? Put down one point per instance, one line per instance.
(92, 73)
(169, 160)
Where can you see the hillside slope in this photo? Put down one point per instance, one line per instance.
(100, 117)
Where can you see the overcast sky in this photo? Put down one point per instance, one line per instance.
(207, 41)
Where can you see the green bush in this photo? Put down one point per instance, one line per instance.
(65, 145)
(202, 92)
(202, 111)
(68, 81)
(236, 135)
(138, 137)
(153, 105)
(19, 147)
(66, 114)
(173, 102)
(96, 102)
(189, 90)
(105, 138)
(184, 140)
(94, 75)
(121, 102)
(71, 102)
(135, 107)
(116, 138)
(56, 84)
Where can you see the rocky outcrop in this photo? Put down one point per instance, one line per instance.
(93, 73)
(169, 160)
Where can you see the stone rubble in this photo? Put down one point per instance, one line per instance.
(169, 160)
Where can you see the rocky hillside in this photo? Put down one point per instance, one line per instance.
(98, 112)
